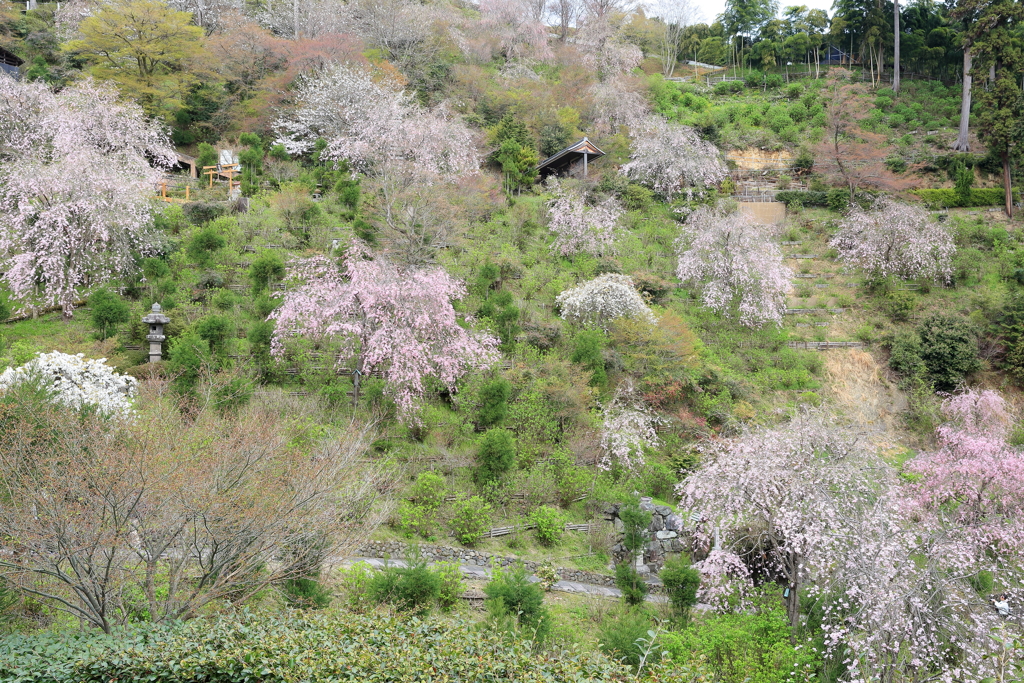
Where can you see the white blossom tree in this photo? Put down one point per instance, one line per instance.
(580, 227)
(379, 129)
(811, 507)
(628, 429)
(603, 299)
(736, 266)
(894, 239)
(672, 158)
(75, 180)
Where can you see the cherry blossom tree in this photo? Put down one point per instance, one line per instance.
(974, 481)
(736, 266)
(617, 103)
(580, 227)
(628, 429)
(389, 319)
(809, 506)
(896, 240)
(672, 158)
(379, 129)
(603, 299)
(516, 24)
(75, 175)
(783, 495)
(606, 49)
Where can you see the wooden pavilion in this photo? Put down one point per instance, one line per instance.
(9, 63)
(570, 161)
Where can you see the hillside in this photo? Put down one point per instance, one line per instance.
(423, 391)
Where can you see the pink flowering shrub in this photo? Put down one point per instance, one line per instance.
(736, 266)
(897, 240)
(75, 181)
(519, 29)
(399, 321)
(579, 227)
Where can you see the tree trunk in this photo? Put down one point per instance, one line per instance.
(896, 47)
(962, 143)
(1007, 184)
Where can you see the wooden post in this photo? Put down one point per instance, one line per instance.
(584, 164)
(163, 189)
(186, 192)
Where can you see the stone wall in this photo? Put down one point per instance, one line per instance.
(439, 553)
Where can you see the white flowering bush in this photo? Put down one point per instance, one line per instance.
(76, 381)
(603, 299)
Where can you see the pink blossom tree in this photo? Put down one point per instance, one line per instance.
(380, 130)
(75, 175)
(518, 26)
(603, 299)
(671, 158)
(897, 240)
(628, 429)
(973, 482)
(606, 48)
(389, 319)
(617, 103)
(736, 266)
(580, 227)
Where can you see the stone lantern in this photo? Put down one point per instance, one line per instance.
(156, 321)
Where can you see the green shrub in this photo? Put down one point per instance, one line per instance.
(207, 155)
(264, 270)
(905, 354)
(628, 580)
(186, 358)
(416, 519)
(495, 455)
(637, 197)
(414, 587)
(108, 311)
(622, 637)
(744, 648)
(429, 490)
(322, 646)
(215, 330)
(811, 198)
(470, 519)
(511, 593)
(588, 347)
(838, 199)
(896, 164)
(804, 161)
(571, 481)
(354, 584)
(681, 583)
(204, 245)
(949, 349)
(963, 178)
(306, 593)
(979, 196)
(452, 585)
(899, 305)
(549, 525)
(494, 397)
(635, 522)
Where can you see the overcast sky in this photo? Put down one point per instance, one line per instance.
(709, 9)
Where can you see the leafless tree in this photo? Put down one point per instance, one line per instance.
(568, 13)
(156, 517)
(676, 16)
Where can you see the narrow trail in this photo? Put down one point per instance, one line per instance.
(477, 573)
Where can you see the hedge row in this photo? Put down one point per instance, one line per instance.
(985, 196)
(334, 646)
(805, 198)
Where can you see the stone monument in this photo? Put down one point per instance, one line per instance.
(156, 321)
